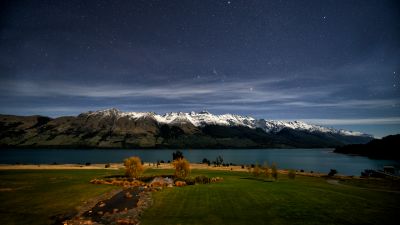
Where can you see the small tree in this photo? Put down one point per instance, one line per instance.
(219, 160)
(133, 167)
(274, 171)
(332, 172)
(256, 170)
(182, 167)
(291, 174)
(267, 171)
(177, 155)
(206, 161)
(248, 168)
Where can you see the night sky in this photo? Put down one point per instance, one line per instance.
(335, 63)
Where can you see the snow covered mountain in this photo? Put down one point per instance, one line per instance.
(112, 128)
(203, 118)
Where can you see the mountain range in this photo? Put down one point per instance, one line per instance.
(112, 128)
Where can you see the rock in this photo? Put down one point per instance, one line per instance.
(102, 205)
(180, 183)
(128, 195)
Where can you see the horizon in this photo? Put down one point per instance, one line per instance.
(334, 64)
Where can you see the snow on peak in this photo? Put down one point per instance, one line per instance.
(204, 118)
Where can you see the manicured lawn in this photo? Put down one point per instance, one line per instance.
(33, 196)
(238, 200)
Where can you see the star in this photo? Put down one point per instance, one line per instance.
(229, 2)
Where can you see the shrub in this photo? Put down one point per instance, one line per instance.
(249, 169)
(182, 167)
(219, 160)
(256, 170)
(133, 167)
(267, 171)
(190, 181)
(216, 179)
(177, 155)
(202, 179)
(291, 174)
(274, 171)
(332, 172)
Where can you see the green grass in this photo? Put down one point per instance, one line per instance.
(304, 200)
(36, 195)
(32, 196)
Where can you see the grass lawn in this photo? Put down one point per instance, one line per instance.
(238, 200)
(32, 196)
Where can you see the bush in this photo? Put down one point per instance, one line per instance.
(274, 171)
(177, 155)
(267, 171)
(291, 174)
(256, 170)
(249, 169)
(182, 167)
(219, 160)
(216, 179)
(202, 179)
(332, 172)
(133, 167)
(190, 181)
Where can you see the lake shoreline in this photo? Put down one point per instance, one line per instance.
(147, 165)
(309, 160)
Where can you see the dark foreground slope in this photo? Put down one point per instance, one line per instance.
(113, 131)
(385, 148)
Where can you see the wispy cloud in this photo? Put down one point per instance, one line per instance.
(267, 94)
(364, 103)
(355, 121)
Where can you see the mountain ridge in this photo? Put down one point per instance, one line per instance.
(113, 128)
(200, 119)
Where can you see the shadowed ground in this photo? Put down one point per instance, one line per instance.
(34, 196)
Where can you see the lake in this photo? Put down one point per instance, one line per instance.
(317, 160)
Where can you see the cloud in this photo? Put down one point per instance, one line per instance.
(355, 121)
(364, 103)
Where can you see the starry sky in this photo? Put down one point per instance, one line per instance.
(334, 63)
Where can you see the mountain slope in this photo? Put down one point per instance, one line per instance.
(385, 148)
(115, 129)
